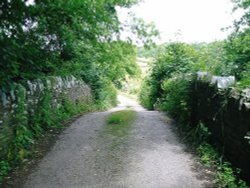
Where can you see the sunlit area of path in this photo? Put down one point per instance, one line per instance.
(125, 102)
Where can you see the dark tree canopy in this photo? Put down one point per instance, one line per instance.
(61, 37)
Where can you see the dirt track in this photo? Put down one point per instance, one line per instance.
(150, 156)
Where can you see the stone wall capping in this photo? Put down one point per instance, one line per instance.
(203, 76)
(222, 82)
(72, 88)
(247, 105)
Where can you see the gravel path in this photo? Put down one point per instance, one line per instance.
(86, 157)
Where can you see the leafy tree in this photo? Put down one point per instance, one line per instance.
(62, 37)
(176, 58)
(211, 57)
(237, 53)
(238, 44)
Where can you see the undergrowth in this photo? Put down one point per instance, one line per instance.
(226, 175)
(27, 126)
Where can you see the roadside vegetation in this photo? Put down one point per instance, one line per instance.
(19, 144)
(62, 38)
(43, 38)
(168, 86)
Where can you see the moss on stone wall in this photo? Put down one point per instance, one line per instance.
(28, 111)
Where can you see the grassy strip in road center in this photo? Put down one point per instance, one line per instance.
(118, 123)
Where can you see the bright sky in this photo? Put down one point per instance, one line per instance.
(195, 20)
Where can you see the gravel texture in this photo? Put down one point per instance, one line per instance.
(150, 156)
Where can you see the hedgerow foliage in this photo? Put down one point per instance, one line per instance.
(60, 37)
(43, 38)
(169, 84)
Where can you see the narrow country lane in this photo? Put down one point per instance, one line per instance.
(149, 157)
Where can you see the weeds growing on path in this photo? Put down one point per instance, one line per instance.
(118, 123)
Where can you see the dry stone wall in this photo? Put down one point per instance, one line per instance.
(75, 90)
(226, 112)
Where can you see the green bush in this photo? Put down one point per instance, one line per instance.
(176, 59)
(244, 82)
(175, 97)
(145, 97)
(106, 94)
(170, 87)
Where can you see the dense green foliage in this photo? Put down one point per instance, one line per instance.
(169, 84)
(44, 38)
(238, 44)
(225, 175)
(180, 59)
(169, 87)
(79, 38)
(229, 57)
